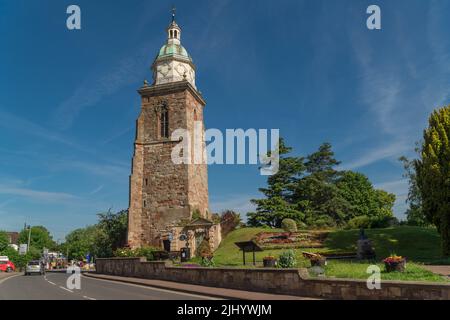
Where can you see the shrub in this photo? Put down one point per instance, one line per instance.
(359, 222)
(204, 249)
(383, 222)
(321, 222)
(196, 214)
(124, 252)
(289, 225)
(146, 252)
(207, 262)
(229, 221)
(287, 259)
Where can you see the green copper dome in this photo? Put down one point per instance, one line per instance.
(173, 50)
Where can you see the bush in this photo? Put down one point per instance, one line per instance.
(196, 215)
(287, 259)
(124, 252)
(289, 225)
(146, 252)
(321, 222)
(359, 222)
(207, 262)
(229, 221)
(204, 249)
(383, 222)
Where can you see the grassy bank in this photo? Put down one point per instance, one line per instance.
(419, 245)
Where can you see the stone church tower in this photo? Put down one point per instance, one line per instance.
(162, 193)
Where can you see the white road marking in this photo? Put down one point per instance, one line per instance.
(89, 298)
(65, 289)
(156, 289)
(51, 282)
(1, 281)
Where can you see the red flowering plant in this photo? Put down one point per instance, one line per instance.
(393, 259)
(395, 263)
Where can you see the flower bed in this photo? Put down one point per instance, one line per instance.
(281, 240)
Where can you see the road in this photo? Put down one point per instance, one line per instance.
(52, 286)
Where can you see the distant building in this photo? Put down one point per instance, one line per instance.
(13, 237)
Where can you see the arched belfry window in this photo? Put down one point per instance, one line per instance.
(164, 122)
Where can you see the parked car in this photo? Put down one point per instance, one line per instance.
(34, 266)
(7, 266)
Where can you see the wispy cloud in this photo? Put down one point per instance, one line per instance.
(37, 194)
(128, 71)
(15, 123)
(238, 203)
(97, 190)
(390, 150)
(95, 168)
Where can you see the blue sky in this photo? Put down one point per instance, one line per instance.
(68, 100)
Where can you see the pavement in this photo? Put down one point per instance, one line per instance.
(441, 270)
(53, 286)
(197, 289)
(4, 275)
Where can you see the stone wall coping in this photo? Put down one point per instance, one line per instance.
(142, 259)
(166, 88)
(390, 282)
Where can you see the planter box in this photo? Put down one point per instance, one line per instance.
(395, 266)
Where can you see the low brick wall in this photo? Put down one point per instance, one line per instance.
(277, 281)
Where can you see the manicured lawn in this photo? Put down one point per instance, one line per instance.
(419, 245)
(415, 243)
(356, 270)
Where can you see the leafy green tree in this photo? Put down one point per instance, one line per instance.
(312, 191)
(80, 242)
(363, 198)
(322, 163)
(4, 241)
(317, 194)
(433, 174)
(40, 238)
(111, 233)
(277, 204)
(414, 214)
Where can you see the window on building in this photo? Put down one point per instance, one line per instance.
(165, 123)
(146, 182)
(145, 203)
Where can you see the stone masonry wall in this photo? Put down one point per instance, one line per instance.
(162, 192)
(276, 281)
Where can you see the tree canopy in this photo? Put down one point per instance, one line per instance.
(101, 239)
(40, 238)
(433, 174)
(312, 191)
